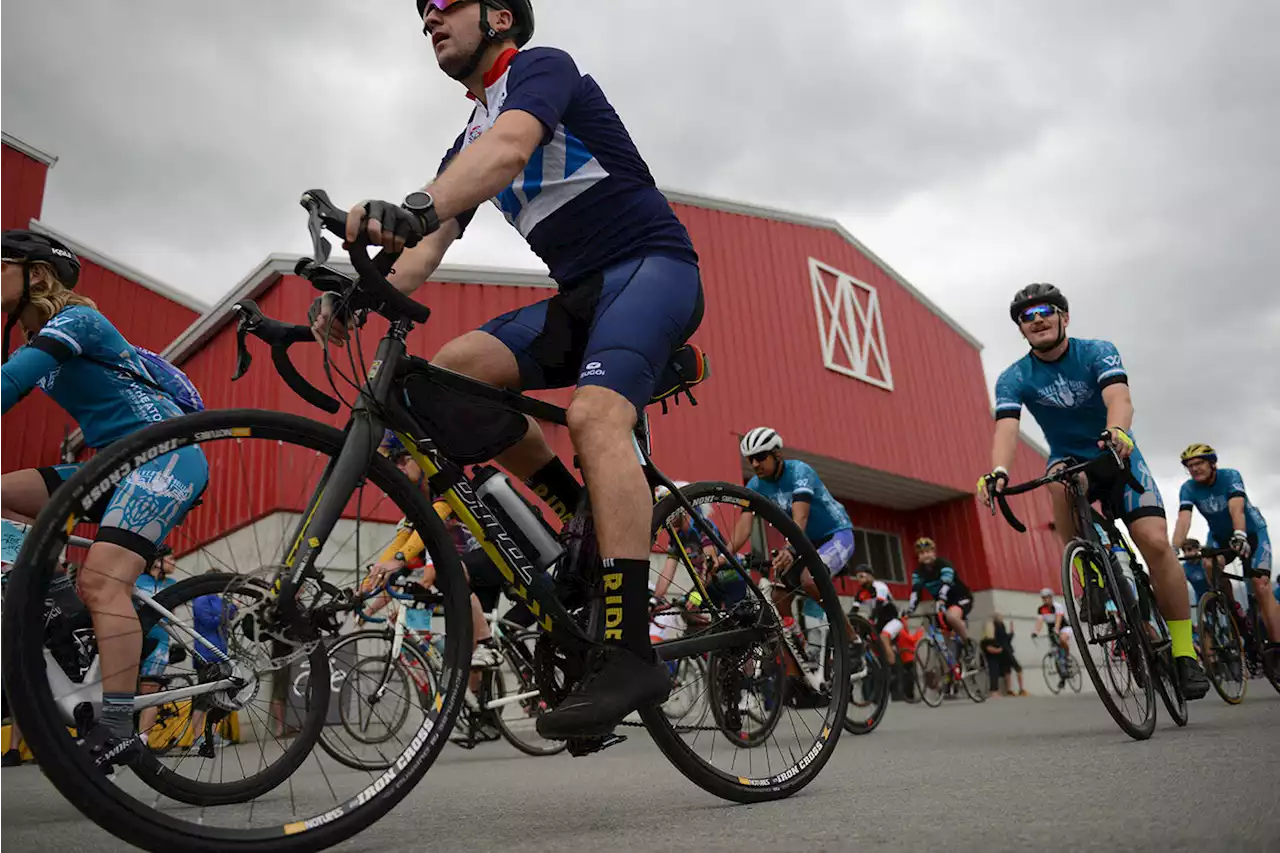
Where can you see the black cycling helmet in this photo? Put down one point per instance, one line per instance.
(1039, 293)
(22, 245)
(28, 247)
(521, 30)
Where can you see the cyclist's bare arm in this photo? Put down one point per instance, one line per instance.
(800, 512)
(1039, 624)
(664, 579)
(741, 531)
(1181, 527)
(1235, 506)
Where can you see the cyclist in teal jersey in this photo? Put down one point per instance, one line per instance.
(1219, 495)
(1078, 392)
(77, 357)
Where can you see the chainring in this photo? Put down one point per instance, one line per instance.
(556, 669)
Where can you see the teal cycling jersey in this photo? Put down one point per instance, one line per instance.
(78, 359)
(1064, 396)
(1211, 499)
(799, 482)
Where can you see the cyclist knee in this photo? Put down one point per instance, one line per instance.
(598, 416)
(481, 356)
(107, 576)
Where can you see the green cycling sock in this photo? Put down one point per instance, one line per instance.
(1180, 633)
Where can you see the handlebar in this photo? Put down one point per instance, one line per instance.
(408, 592)
(369, 291)
(1105, 466)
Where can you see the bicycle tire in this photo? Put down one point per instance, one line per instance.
(1216, 658)
(1051, 674)
(1138, 730)
(64, 763)
(865, 717)
(930, 668)
(524, 681)
(1161, 662)
(1074, 678)
(784, 783)
(976, 684)
(195, 792)
(410, 655)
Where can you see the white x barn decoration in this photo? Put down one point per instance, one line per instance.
(850, 327)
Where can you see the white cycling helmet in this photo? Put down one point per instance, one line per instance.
(1046, 593)
(760, 440)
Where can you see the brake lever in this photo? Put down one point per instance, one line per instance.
(249, 318)
(322, 214)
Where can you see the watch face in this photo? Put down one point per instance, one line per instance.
(418, 200)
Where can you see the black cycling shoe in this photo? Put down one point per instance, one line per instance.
(11, 758)
(108, 751)
(1191, 675)
(618, 682)
(1092, 606)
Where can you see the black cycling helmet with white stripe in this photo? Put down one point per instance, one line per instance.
(1039, 293)
(19, 246)
(760, 440)
(520, 32)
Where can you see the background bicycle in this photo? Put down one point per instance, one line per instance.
(940, 666)
(1059, 666)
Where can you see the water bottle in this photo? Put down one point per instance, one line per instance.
(534, 536)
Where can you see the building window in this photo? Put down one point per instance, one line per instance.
(850, 327)
(882, 552)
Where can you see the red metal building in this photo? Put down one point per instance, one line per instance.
(808, 332)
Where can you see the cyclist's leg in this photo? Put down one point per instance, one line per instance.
(837, 555)
(955, 614)
(1268, 606)
(24, 493)
(888, 637)
(140, 514)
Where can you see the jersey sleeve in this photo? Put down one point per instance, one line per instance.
(1106, 365)
(21, 373)
(1184, 496)
(804, 483)
(1232, 482)
(464, 218)
(397, 544)
(542, 84)
(1009, 394)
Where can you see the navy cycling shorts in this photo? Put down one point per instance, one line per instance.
(617, 328)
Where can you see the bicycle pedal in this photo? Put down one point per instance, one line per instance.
(580, 746)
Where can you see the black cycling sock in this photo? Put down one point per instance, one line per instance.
(626, 605)
(117, 713)
(558, 488)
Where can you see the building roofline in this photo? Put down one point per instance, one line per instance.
(778, 215)
(26, 148)
(122, 269)
(275, 266)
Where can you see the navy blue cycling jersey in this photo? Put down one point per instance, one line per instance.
(1211, 499)
(935, 578)
(586, 199)
(1064, 395)
(799, 482)
(106, 403)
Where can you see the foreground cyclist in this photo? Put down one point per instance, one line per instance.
(1219, 495)
(938, 577)
(544, 144)
(1078, 392)
(77, 357)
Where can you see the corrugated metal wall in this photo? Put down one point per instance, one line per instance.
(23, 195)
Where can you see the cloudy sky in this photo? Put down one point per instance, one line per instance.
(1119, 150)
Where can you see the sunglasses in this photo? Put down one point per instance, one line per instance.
(759, 457)
(1037, 312)
(443, 4)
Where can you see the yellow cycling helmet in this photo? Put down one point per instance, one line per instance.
(1199, 451)
(925, 542)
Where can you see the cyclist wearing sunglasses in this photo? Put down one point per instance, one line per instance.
(796, 487)
(1219, 495)
(1078, 392)
(547, 148)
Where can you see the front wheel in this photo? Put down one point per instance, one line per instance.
(869, 692)
(1222, 648)
(1107, 633)
(932, 673)
(512, 696)
(1053, 676)
(740, 625)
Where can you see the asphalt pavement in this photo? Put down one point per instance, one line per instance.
(1011, 774)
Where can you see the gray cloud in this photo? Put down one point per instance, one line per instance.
(1124, 151)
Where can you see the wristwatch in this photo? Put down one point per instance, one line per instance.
(399, 557)
(422, 205)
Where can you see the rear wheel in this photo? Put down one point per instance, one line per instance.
(264, 469)
(808, 723)
(1222, 649)
(975, 676)
(1107, 635)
